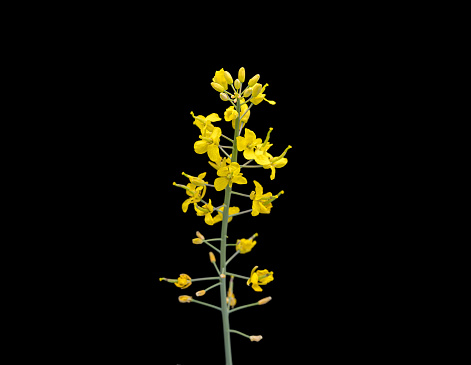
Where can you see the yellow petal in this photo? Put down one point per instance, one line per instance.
(220, 183)
(200, 147)
(213, 117)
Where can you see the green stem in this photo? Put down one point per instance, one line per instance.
(246, 195)
(225, 221)
(240, 333)
(206, 304)
(237, 276)
(243, 307)
(210, 245)
(201, 279)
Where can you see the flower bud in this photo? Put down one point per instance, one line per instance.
(200, 293)
(255, 338)
(197, 241)
(256, 89)
(212, 258)
(224, 97)
(184, 298)
(241, 74)
(228, 77)
(247, 92)
(199, 235)
(254, 80)
(264, 301)
(237, 84)
(217, 87)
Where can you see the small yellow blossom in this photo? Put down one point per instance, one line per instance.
(184, 299)
(205, 210)
(220, 79)
(254, 80)
(196, 193)
(248, 143)
(232, 210)
(276, 162)
(229, 175)
(260, 96)
(222, 162)
(231, 114)
(204, 123)
(262, 202)
(209, 143)
(245, 245)
(241, 74)
(259, 277)
(183, 281)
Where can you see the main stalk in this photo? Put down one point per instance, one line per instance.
(225, 221)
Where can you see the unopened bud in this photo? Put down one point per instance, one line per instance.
(264, 301)
(255, 338)
(237, 84)
(256, 89)
(212, 258)
(228, 77)
(224, 97)
(253, 80)
(200, 293)
(199, 235)
(197, 241)
(184, 299)
(247, 92)
(241, 74)
(217, 87)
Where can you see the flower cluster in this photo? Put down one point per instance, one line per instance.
(223, 153)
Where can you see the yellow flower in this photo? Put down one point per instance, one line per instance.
(223, 162)
(196, 193)
(276, 162)
(229, 175)
(184, 281)
(204, 123)
(220, 79)
(245, 245)
(248, 144)
(232, 210)
(209, 143)
(260, 96)
(205, 210)
(259, 277)
(261, 202)
(184, 299)
(231, 114)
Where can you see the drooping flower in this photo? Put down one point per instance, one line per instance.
(259, 96)
(228, 175)
(205, 210)
(255, 338)
(276, 162)
(183, 281)
(198, 181)
(245, 245)
(262, 203)
(196, 193)
(231, 299)
(259, 277)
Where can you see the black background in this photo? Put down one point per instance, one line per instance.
(321, 238)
